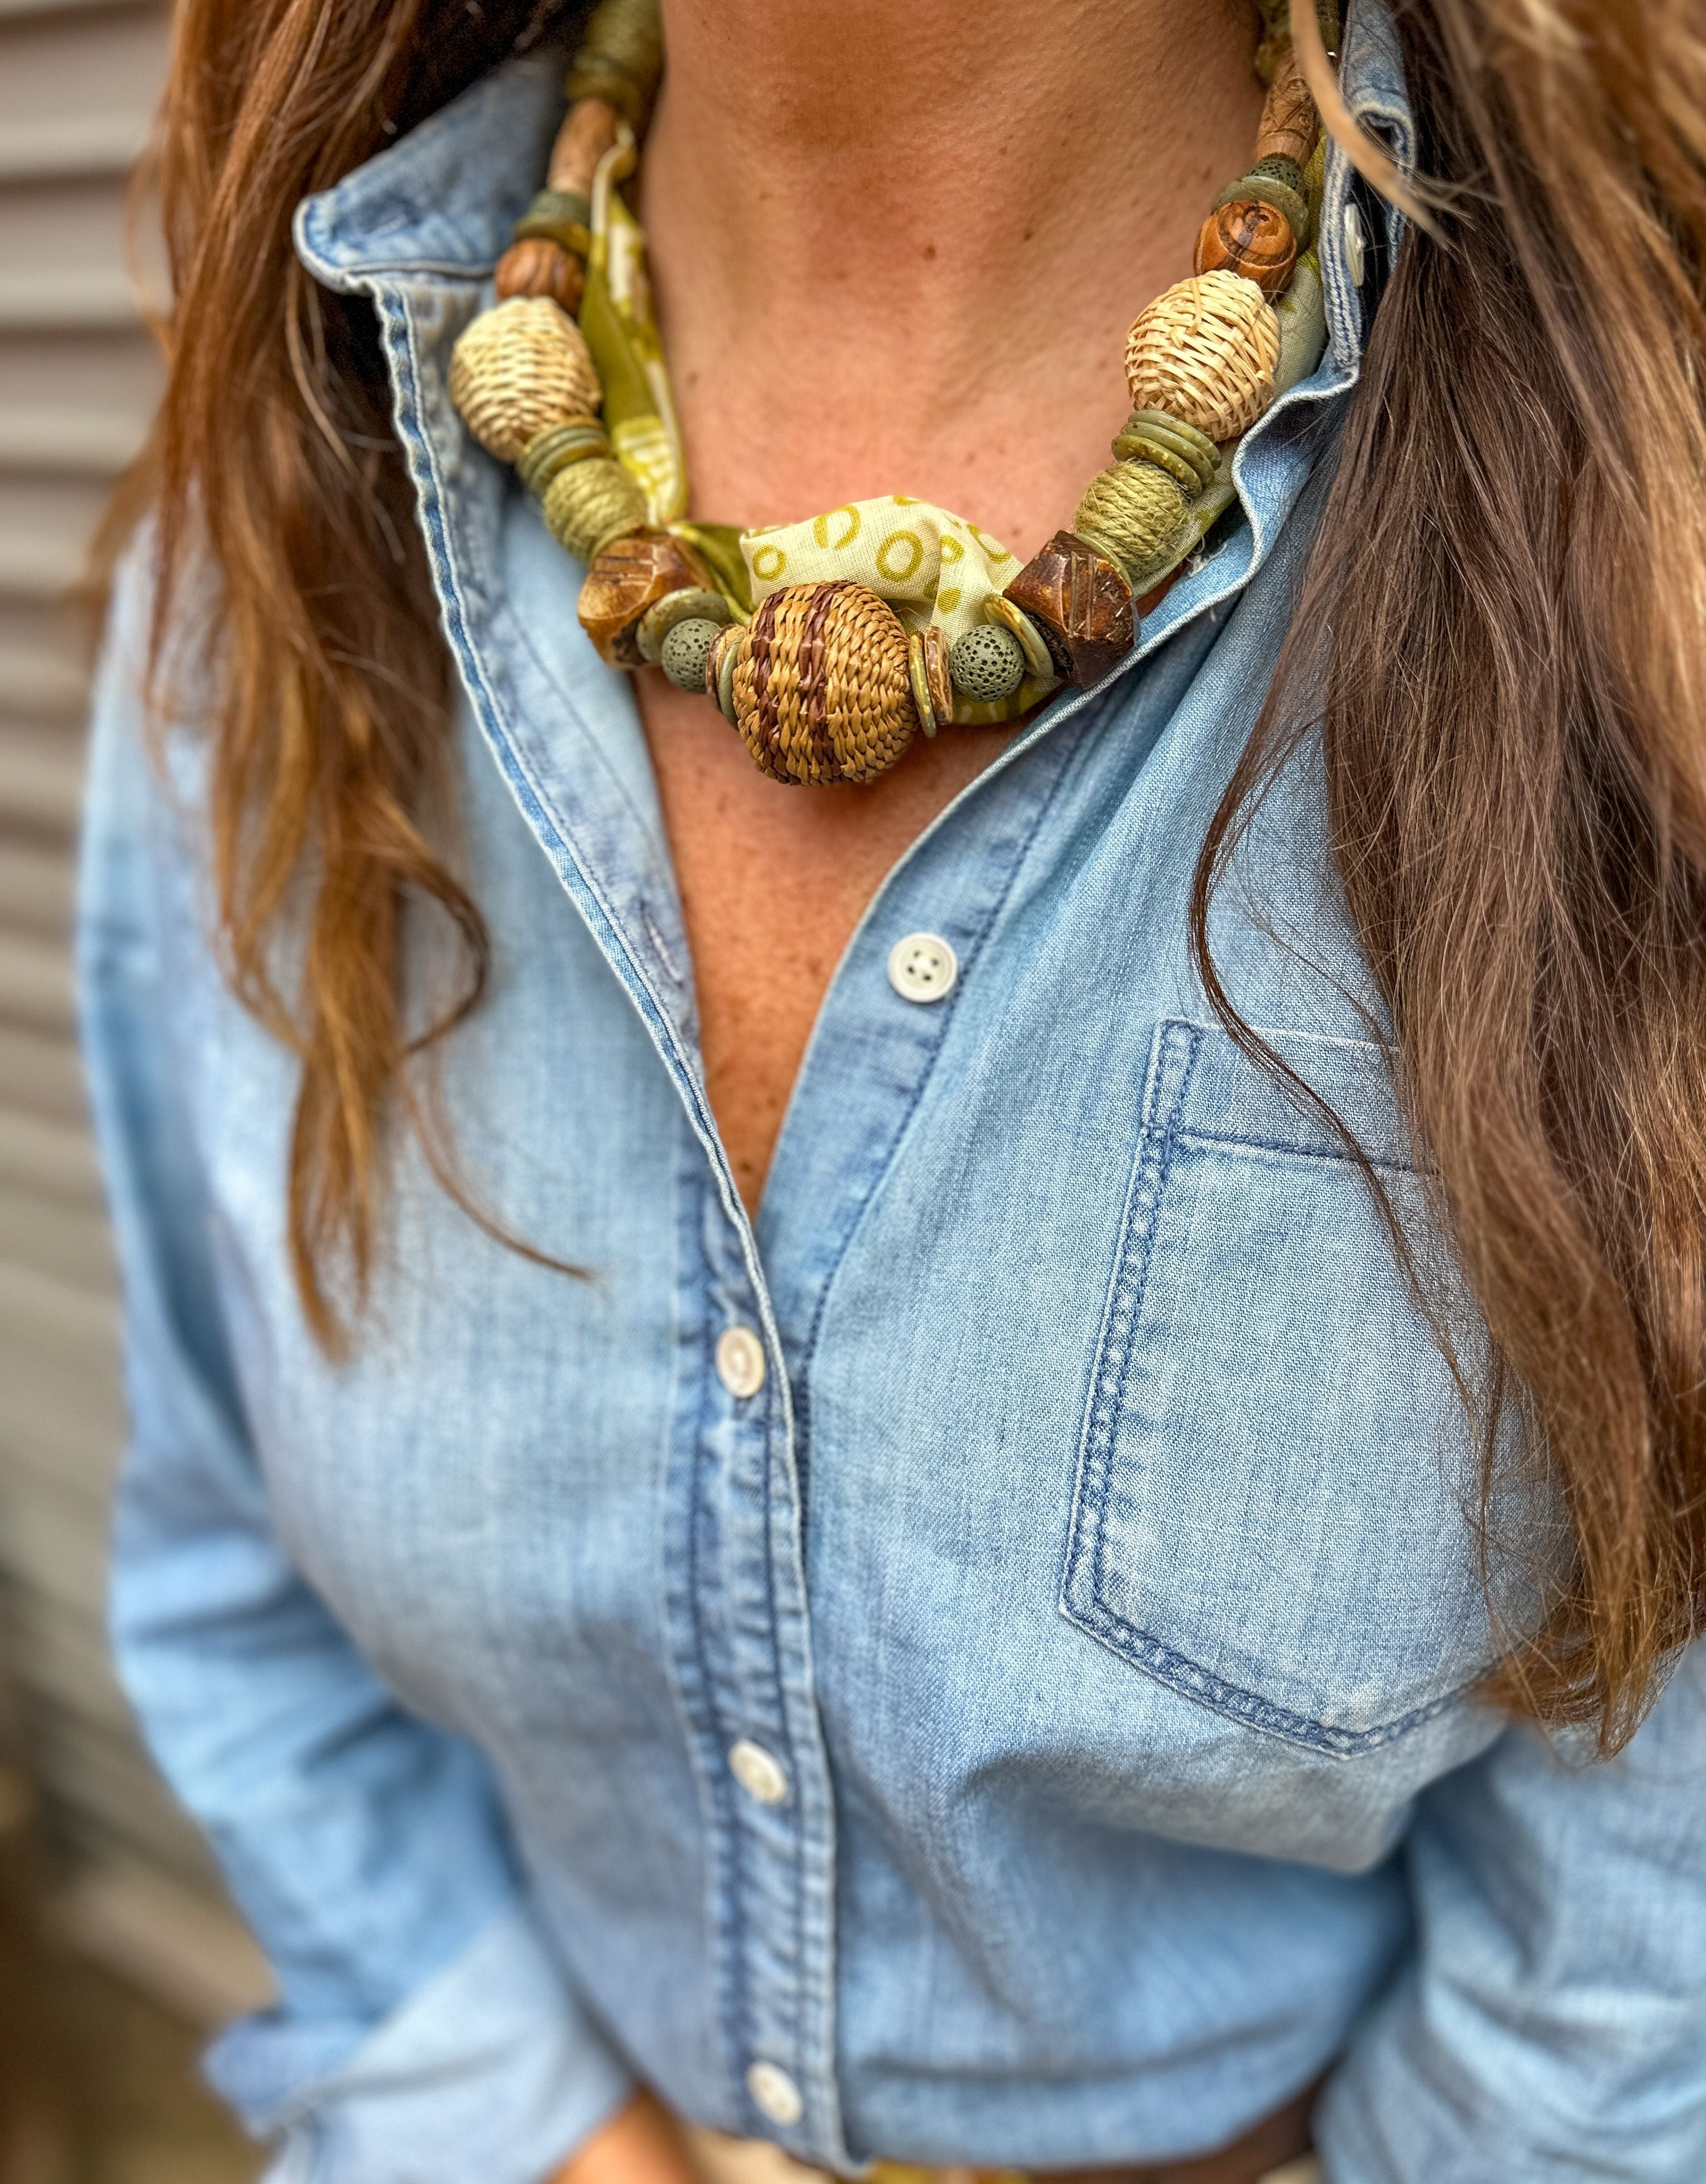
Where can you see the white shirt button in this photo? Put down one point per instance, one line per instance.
(740, 1362)
(923, 967)
(757, 1773)
(1355, 246)
(775, 2094)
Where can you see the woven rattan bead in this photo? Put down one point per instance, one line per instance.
(519, 369)
(1206, 350)
(823, 687)
(1250, 237)
(686, 647)
(987, 664)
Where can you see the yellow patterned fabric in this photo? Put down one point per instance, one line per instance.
(931, 568)
(620, 327)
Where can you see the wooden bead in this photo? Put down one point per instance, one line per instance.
(822, 685)
(1205, 351)
(1290, 123)
(1252, 238)
(936, 675)
(538, 268)
(520, 369)
(1082, 605)
(627, 577)
(588, 132)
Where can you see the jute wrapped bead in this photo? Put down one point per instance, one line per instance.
(1205, 350)
(519, 369)
(822, 685)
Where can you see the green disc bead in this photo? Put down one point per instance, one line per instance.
(987, 664)
(685, 649)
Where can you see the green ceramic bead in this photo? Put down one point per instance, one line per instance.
(987, 664)
(685, 649)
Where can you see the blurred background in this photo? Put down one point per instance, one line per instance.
(117, 1949)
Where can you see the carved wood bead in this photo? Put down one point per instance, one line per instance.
(631, 575)
(538, 268)
(1082, 605)
(1250, 238)
(1289, 122)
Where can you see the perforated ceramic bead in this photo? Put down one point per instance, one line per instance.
(685, 649)
(987, 664)
(520, 369)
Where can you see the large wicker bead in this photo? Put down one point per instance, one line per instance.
(519, 369)
(632, 574)
(823, 687)
(1250, 237)
(1206, 351)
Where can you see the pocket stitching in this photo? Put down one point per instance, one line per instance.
(1126, 1291)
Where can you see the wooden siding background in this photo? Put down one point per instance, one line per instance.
(79, 375)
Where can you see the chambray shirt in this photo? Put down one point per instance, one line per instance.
(1034, 1725)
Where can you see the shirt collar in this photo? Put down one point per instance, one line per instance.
(442, 201)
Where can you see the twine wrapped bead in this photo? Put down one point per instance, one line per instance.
(620, 58)
(1249, 237)
(1134, 515)
(520, 369)
(590, 504)
(1205, 351)
(821, 684)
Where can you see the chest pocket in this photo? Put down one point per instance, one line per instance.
(1275, 1466)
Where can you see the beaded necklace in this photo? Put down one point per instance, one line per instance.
(829, 645)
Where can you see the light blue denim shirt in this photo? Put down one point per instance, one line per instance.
(1032, 1726)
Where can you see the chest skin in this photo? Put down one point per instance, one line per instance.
(774, 879)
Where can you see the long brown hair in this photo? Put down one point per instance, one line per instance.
(1499, 643)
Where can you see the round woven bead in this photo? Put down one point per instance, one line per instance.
(685, 649)
(1205, 350)
(987, 664)
(823, 687)
(519, 369)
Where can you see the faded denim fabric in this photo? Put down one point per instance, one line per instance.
(1092, 1562)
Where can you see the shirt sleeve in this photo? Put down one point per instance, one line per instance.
(422, 2030)
(1552, 2024)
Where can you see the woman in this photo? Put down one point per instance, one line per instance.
(1115, 1592)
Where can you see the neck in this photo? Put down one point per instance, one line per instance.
(897, 243)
